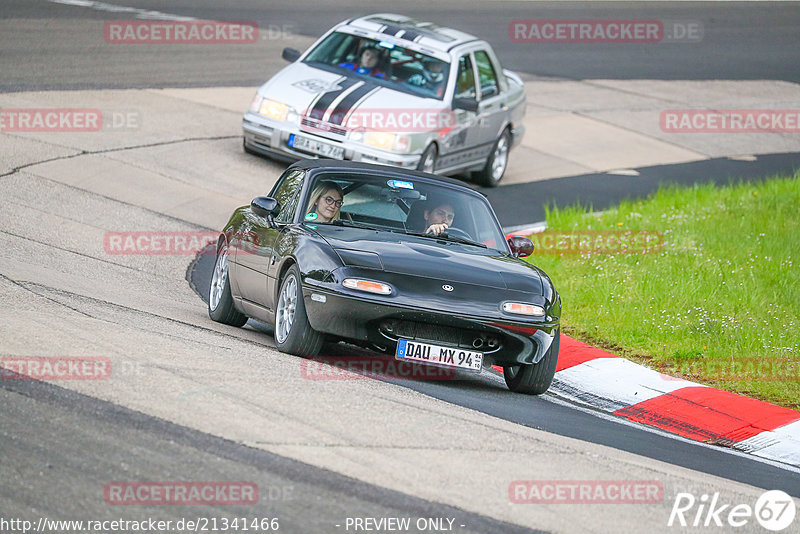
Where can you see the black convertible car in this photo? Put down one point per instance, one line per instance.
(404, 262)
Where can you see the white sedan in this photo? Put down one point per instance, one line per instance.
(391, 90)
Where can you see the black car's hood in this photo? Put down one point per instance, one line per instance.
(426, 257)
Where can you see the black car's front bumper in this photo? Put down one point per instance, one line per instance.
(369, 319)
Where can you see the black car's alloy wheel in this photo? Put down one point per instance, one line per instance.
(220, 301)
(293, 333)
(534, 379)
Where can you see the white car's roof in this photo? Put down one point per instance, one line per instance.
(405, 28)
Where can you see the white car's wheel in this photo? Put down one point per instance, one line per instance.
(496, 165)
(427, 163)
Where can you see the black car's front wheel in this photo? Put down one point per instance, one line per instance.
(534, 379)
(220, 301)
(293, 332)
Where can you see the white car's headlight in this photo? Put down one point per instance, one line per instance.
(272, 109)
(520, 308)
(387, 141)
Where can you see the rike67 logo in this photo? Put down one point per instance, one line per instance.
(774, 510)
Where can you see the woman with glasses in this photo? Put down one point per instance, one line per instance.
(325, 202)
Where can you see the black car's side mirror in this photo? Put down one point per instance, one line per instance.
(290, 54)
(266, 207)
(468, 104)
(520, 246)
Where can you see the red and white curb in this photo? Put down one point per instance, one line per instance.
(594, 377)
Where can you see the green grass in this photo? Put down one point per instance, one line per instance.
(718, 303)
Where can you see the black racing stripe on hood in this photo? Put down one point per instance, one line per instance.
(343, 107)
(326, 99)
(410, 36)
(391, 30)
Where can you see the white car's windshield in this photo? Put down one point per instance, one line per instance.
(405, 206)
(398, 67)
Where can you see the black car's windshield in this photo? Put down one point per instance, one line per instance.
(398, 67)
(404, 206)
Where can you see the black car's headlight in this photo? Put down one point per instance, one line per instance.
(370, 286)
(521, 308)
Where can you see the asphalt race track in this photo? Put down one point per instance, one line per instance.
(487, 393)
(602, 191)
(192, 400)
(749, 42)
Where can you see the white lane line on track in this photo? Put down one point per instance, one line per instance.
(552, 396)
(143, 14)
(534, 228)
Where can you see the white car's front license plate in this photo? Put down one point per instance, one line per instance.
(316, 147)
(436, 355)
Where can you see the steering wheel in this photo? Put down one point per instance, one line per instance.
(458, 232)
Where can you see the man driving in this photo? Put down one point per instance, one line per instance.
(439, 218)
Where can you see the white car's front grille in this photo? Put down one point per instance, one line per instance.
(321, 126)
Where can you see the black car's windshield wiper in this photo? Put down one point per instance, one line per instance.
(351, 224)
(443, 236)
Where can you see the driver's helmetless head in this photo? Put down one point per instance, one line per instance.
(441, 214)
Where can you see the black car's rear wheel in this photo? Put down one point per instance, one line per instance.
(220, 301)
(534, 379)
(497, 162)
(293, 332)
